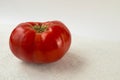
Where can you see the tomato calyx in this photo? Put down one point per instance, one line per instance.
(40, 28)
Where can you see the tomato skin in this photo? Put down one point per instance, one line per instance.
(45, 47)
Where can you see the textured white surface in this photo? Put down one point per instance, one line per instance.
(95, 49)
(87, 59)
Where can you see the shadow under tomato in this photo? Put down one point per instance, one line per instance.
(70, 63)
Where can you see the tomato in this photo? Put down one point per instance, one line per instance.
(40, 42)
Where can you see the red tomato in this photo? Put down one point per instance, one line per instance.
(40, 42)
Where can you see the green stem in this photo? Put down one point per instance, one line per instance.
(40, 28)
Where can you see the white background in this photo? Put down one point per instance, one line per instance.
(95, 29)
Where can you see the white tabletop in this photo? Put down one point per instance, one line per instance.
(95, 49)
